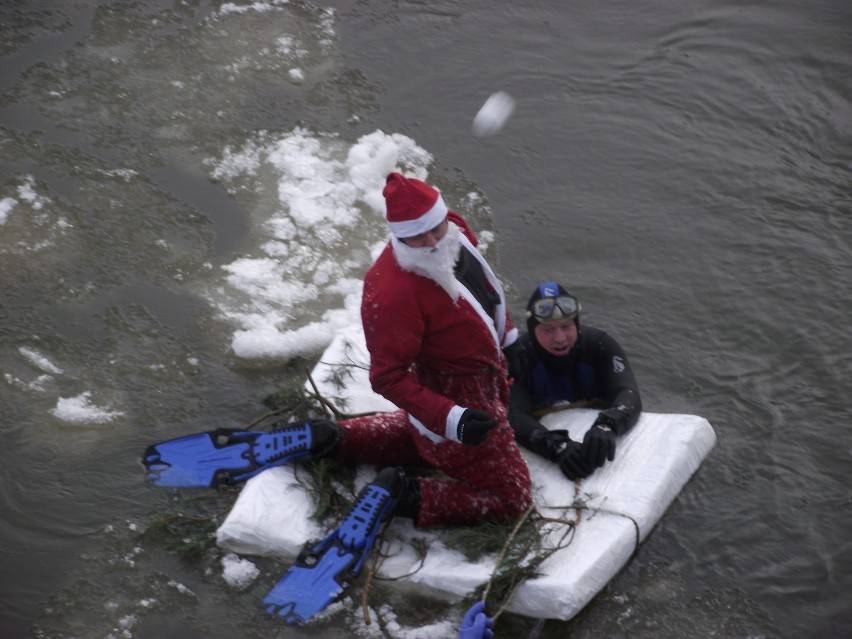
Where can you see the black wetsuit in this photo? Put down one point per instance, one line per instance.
(595, 369)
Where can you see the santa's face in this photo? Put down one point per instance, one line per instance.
(428, 239)
(432, 258)
(557, 336)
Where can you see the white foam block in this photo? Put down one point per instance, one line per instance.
(622, 503)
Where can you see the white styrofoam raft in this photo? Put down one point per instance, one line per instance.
(622, 503)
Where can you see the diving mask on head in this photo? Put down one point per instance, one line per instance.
(551, 301)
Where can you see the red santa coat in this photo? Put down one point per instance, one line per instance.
(433, 357)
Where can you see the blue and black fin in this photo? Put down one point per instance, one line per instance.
(322, 571)
(226, 456)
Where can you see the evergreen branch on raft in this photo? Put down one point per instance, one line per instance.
(336, 412)
(328, 482)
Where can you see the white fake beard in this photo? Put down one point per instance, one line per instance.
(435, 262)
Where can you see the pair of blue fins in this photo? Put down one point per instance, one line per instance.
(323, 569)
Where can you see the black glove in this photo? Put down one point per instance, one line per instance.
(474, 426)
(558, 447)
(599, 444)
(571, 462)
(516, 359)
(548, 443)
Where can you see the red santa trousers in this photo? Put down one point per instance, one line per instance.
(489, 481)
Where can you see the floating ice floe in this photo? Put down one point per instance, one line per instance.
(81, 410)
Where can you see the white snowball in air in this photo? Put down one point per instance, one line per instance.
(494, 114)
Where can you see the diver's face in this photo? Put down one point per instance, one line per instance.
(557, 336)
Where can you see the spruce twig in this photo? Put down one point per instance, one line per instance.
(338, 414)
(374, 566)
(505, 549)
(265, 416)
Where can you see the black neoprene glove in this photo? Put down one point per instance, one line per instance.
(558, 447)
(516, 359)
(474, 426)
(572, 464)
(599, 444)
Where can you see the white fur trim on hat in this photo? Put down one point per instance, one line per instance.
(426, 222)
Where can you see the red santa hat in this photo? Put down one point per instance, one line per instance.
(413, 207)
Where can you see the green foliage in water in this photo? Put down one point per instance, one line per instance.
(186, 536)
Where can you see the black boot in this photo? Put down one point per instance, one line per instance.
(325, 438)
(409, 501)
(406, 490)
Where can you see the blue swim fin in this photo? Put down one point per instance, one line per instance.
(225, 456)
(324, 570)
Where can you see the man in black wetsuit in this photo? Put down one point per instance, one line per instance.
(567, 363)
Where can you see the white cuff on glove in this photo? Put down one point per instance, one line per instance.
(451, 430)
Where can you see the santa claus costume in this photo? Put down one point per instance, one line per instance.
(436, 324)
